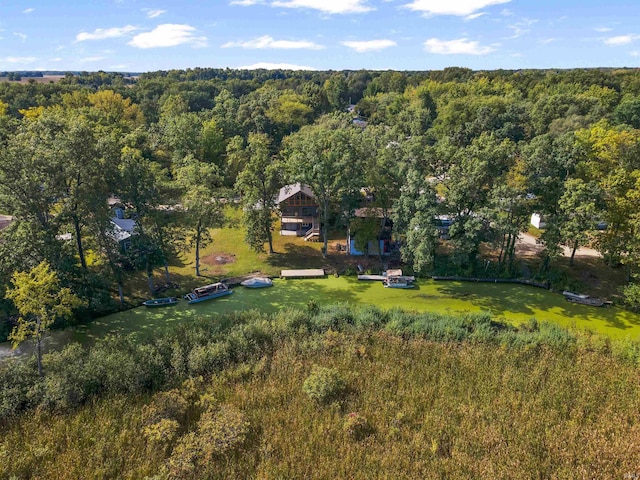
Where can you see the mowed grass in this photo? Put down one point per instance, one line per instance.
(512, 303)
(229, 242)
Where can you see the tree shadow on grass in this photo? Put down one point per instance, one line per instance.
(296, 256)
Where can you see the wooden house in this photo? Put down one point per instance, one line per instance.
(299, 214)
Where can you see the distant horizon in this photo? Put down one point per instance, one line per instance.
(62, 73)
(318, 35)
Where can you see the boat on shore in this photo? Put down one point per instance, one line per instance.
(392, 279)
(582, 299)
(208, 292)
(398, 281)
(160, 302)
(257, 282)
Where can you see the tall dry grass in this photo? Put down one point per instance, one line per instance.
(442, 404)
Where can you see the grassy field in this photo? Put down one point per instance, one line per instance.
(513, 303)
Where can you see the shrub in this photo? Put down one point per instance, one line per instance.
(356, 426)
(170, 404)
(219, 433)
(208, 359)
(162, 432)
(324, 385)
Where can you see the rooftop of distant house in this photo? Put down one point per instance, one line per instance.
(5, 220)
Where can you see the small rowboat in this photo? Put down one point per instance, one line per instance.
(257, 282)
(583, 299)
(160, 302)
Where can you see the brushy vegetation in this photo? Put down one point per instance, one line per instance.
(412, 396)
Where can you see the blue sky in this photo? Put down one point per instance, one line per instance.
(147, 35)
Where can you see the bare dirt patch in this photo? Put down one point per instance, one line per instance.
(216, 259)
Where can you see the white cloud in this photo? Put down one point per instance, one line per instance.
(621, 40)
(28, 10)
(275, 66)
(326, 6)
(461, 8)
(14, 60)
(473, 16)
(635, 53)
(21, 36)
(546, 41)
(460, 46)
(603, 29)
(369, 45)
(521, 28)
(103, 33)
(267, 41)
(151, 13)
(168, 35)
(245, 3)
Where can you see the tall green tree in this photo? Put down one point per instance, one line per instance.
(324, 157)
(580, 211)
(415, 212)
(258, 184)
(40, 300)
(200, 184)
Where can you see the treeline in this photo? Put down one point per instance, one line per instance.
(364, 392)
(479, 150)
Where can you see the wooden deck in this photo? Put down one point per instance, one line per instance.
(308, 273)
(372, 277)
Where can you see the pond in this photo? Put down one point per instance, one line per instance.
(512, 303)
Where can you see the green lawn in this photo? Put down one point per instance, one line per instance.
(513, 303)
(291, 252)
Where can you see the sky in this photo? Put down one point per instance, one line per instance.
(150, 35)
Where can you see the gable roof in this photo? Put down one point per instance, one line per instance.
(290, 190)
(123, 228)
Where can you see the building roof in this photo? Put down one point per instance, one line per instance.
(290, 190)
(369, 212)
(123, 228)
(5, 220)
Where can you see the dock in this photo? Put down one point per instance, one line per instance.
(372, 277)
(307, 273)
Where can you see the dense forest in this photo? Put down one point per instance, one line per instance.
(484, 149)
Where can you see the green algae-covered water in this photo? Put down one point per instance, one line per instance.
(512, 303)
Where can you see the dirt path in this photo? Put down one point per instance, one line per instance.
(527, 246)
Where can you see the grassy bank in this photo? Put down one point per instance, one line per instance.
(512, 303)
(422, 396)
